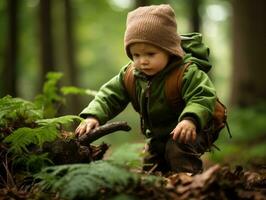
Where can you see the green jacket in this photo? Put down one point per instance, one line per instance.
(158, 117)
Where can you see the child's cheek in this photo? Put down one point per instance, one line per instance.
(136, 65)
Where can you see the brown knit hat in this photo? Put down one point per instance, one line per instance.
(155, 25)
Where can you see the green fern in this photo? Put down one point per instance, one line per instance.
(81, 181)
(51, 99)
(59, 121)
(79, 91)
(50, 89)
(18, 111)
(100, 179)
(129, 155)
(22, 137)
(32, 162)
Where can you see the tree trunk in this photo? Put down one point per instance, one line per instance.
(71, 68)
(47, 51)
(195, 19)
(249, 47)
(9, 80)
(70, 49)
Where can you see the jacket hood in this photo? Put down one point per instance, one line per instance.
(196, 51)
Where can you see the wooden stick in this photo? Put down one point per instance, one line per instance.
(101, 131)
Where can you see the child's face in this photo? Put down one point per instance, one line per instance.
(148, 58)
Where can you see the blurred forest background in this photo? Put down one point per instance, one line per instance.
(83, 39)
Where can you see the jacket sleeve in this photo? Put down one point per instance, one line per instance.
(111, 99)
(199, 95)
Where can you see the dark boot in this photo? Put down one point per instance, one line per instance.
(182, 157)
(154, 159)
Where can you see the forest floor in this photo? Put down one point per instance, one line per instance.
(218, 181)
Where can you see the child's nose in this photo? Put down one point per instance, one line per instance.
(143, 60)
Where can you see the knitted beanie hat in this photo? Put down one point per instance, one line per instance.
(155, 25)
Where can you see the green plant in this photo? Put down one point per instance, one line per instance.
(50, 100)
(248, 142)
(25, 143)
(75, 90)
(80, 181)
(53, 97)
(16, 113)
(95, 180)
(128, 155)
(20, 139)
(26, 126)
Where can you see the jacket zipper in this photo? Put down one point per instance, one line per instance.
(148, 90)
(147, 99)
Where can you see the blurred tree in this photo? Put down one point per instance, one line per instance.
(47, 51)
(249, 47)
(70, 55)
(70, 49)
(9, 75)
(195, 19)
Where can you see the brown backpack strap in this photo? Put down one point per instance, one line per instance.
(173, 86)
(129, 82)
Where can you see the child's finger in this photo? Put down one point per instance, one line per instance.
(82, 130)
(188, 136)
(194, 135)
(182, 136)
(78, 130)
(176, 132)
(89, 127)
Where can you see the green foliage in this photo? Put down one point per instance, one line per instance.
(50, 100)
(81, 181)
(97, 179)
(16, 112)
(79, 91)
(23, 137)
(248, 130)
(24, 129)
(59, 121)
(32, 162)
(76, 181)
(248, 124)
(128, 155)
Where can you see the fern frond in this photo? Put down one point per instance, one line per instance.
(75, 90)
(50, 89)
(14, 109)
(49, 100)
(22, 137)
(129, 155)
(64, 120)
(32, 162)
(81, 181)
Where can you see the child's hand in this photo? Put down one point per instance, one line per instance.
(86, 126)
(185, 132)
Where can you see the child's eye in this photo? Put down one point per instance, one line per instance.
(135, 55)
(151, 54)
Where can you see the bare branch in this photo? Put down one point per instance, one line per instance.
(101, 131)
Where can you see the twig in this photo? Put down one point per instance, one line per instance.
(101, 131)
